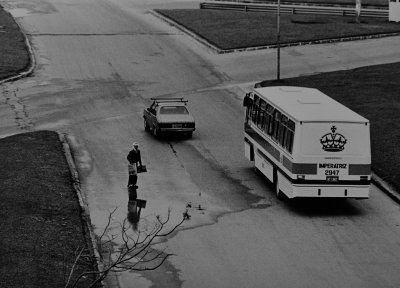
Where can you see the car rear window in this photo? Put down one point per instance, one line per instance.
(174, 110)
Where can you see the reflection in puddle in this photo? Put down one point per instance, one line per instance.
(135, 206)
(133, 214)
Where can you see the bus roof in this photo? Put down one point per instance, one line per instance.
(308, 104)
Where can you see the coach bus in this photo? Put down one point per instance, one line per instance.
(306, 143)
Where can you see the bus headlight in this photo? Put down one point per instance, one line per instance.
(301, 177)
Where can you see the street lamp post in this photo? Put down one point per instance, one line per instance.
(278, 41)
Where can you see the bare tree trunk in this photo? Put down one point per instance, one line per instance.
(358, 11)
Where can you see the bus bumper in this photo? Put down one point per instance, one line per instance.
(359, 192)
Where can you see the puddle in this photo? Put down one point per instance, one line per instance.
(263, 203)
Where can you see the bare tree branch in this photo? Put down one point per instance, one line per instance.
(109, 222)
(73, 266)
(134, 253)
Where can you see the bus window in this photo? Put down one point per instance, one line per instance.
(269, 119)
(289, 136)
(277, 124)
(266, 119)
(282, 130)
(261, 114)
(255, 108)
(249, 109)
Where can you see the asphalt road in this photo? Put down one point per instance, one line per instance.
(98, 64)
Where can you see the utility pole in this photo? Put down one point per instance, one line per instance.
(278, 41)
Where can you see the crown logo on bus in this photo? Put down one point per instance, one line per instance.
(333, 142)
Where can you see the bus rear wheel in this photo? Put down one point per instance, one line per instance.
(278, 192)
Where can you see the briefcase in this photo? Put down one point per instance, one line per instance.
(141, 169)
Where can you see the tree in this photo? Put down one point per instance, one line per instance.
(134, 254)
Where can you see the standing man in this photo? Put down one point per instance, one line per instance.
(134, 158)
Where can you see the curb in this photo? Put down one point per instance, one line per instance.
(387, 188)
(195, 36)
(82, 202)
(217, 50)
(32, 62)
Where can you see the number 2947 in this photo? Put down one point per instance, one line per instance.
(332, 172)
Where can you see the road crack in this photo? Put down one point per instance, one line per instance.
(12, 100)
(176, 154)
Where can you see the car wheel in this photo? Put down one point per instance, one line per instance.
(156, 133)
(146, 126)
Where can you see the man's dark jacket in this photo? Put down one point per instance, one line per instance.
(134, 156)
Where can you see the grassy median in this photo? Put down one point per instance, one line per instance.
(238, 29)
(41, 224)
(14, 56)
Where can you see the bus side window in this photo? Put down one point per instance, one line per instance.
(290, 136)
(270, 120)
(277, 124)
(282, 131)
(267, 118)
(255, 109)
(249, 108)
(261, 114)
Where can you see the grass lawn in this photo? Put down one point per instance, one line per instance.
(239, 29)
(14, 57)
(41, 223)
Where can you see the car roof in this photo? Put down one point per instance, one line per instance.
(176, 101)
(171, 104)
